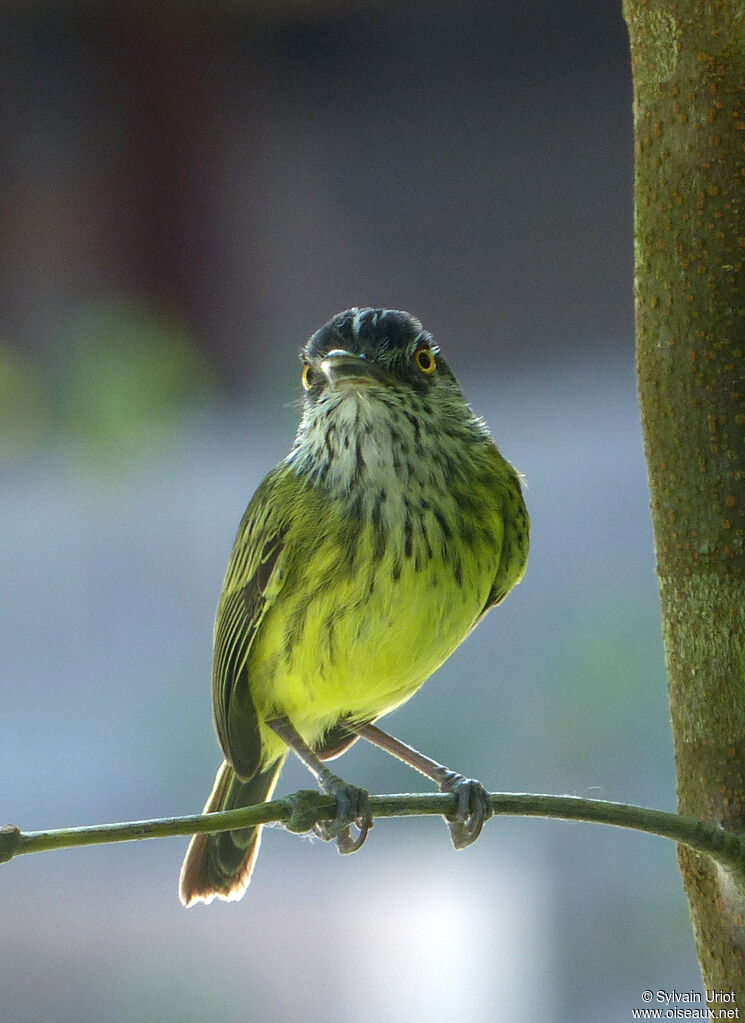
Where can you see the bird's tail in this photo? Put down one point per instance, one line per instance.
(219, 865)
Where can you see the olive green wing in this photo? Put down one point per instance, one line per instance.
(253, 579)
(515, 542)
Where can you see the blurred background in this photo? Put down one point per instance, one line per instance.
(186, 193)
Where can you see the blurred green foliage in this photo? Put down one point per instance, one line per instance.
(129, 374)
(24, 406)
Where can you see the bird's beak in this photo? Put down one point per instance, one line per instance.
(343, 367)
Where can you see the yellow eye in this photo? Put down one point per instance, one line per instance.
(307, 376)
(425, 360)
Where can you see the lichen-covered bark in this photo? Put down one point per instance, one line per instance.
(688, 60)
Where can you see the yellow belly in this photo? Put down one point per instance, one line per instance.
(367, 637)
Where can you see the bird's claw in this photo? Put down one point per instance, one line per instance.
(352, 807)
(473, 810)
(329, 832)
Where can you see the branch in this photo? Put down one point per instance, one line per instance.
(299, 811)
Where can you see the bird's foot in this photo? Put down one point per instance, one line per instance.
(474, 809)
(352, 807)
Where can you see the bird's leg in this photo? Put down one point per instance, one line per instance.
(474, 804)
(352, 804)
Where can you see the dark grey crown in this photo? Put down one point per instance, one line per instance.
(368, 332)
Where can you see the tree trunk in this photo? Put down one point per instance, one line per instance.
(688, 61)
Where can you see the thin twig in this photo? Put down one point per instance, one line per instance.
(299, 811)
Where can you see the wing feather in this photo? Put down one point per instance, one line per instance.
(252, 581)
(516, 537)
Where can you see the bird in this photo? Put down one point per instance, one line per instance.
(362, 562)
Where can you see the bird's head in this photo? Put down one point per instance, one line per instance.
(381, 404)
(378, 351)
